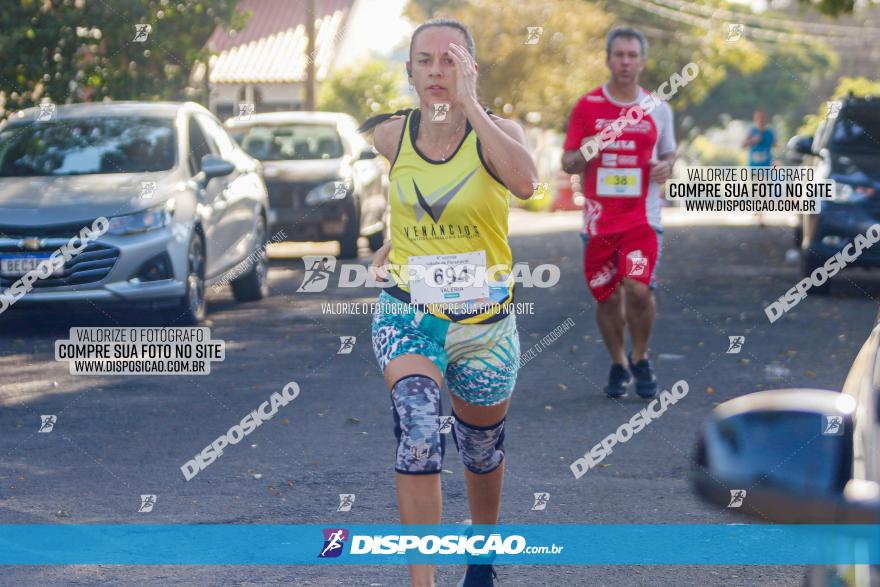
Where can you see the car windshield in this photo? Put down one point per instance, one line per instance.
(82, 146)
(290, 141)
(857, 128)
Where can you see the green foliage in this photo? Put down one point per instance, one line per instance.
(715, 57)
(83, 50)
(362, 91)
(831, 7)
(784, 84)
(546, 77)
(735, 77)
(859, 86)
(675, 44)
(703, 151)
(422, 10)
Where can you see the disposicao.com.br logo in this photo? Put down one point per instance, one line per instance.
(483, 545)
(334, 541)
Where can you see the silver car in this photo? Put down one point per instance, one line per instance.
(186, 206)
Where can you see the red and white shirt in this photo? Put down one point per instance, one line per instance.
(619, 194)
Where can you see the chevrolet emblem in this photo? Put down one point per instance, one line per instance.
(30, 244)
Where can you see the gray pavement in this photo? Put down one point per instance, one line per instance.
(121, 436)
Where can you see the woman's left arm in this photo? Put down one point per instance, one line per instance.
(503, 141)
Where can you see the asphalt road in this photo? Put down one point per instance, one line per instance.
(117, 437)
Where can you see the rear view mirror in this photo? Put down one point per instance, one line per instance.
(781, 456)
(368, 153)
(803, 145)
(213, 166)
(798, 147)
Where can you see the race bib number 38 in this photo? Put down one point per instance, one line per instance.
(436, 279)
(611, 181)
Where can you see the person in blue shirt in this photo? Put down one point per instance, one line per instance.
(760, 141)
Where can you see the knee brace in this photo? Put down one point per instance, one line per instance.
(416, 407)
(481, 447)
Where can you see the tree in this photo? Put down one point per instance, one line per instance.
(569, 59)
(84, 50)
(735, 77)
(544, 78)
(421, 10)
(831, 7)
(364, 90)
(784, 85)
(675, 43)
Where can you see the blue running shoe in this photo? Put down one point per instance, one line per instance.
(479, 576)
(618, 380)
(646, 383)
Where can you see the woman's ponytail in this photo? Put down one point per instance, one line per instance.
(380, 118)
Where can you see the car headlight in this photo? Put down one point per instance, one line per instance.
(852, 194)
(331, 190)
(143, 221)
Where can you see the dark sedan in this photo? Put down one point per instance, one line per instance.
(325, 182)
(846, 149)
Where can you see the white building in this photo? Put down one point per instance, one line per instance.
(264, 64)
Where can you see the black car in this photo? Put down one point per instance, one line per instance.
(846, 148)
(805, 456)
(325, 182)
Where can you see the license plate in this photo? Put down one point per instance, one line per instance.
(18, 265)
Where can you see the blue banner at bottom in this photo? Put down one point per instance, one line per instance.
(356, 544)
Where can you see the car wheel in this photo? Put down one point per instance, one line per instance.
(348, 244)
(191, 308)
(809, 263)
(254, 285)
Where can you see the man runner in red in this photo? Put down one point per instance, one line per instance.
(624, 168)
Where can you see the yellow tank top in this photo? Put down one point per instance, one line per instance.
(449, 207)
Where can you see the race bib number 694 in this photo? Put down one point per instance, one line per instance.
(438, 279)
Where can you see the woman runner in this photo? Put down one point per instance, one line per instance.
(452, 165)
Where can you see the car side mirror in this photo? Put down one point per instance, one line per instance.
(784, 456)
(214, 166)
(368, 153)
(803, 145)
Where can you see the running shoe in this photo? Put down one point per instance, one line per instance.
(618, 380)
(646, 383)
(479, 576)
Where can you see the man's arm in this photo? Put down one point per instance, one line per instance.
(575, 136)
(573, 161)
(661, 168)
